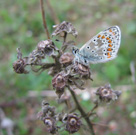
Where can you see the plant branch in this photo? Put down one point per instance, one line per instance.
(91, 112)
(44, 20)
(82, 111)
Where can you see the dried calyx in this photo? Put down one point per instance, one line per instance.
(73, 123)
(50, 124)
(83, 70)
(20, 64)
(59, 82)
(66, 59)
(66, 27)
(106, 94)
(47, 46)
(48, 116)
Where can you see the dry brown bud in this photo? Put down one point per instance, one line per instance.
(47, 46)
(50, 124)
(65, 27)
(73, 123)
(106, 94)
(59, 82)
(19, 66)
(66, 59)
(82, 70)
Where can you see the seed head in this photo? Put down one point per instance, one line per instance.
(65, 27)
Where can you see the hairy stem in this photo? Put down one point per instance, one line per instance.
(44, 20)
(82, 111)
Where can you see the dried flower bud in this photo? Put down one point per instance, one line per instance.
(50, 124)
(47, 109)
(19, 66)
(66, 59)
(65, 27)
(82, 70)
(107, 94)
(59, 82)
(47, 46)
(36, 56)
(73, 123)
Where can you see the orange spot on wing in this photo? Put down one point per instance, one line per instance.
(99, 36)
(108, 54)
(103, 37)
(110, 45)
(109, 49)
(110, 41)
(107, 38)
(113, 33)
(110, 30)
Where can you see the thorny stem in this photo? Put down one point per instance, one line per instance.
(82, 111)
(43, 18)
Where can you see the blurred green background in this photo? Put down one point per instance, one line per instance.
(21, 26)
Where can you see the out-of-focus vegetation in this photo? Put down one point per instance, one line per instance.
(21, 26)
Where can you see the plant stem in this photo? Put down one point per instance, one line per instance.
(64, 41)
(82, 111)
(90, 113)
(44, 20)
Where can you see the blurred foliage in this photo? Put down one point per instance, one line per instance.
(21, 26)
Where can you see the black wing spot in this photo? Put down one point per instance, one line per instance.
(88, 47)
(85, 61)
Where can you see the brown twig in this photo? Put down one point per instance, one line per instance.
(100, 124)
(91, 112)
(82, 111)
(44, 20)
(44, 66)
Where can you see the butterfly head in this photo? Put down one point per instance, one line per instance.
(75, 50)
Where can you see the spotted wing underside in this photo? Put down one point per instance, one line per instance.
(103, 47)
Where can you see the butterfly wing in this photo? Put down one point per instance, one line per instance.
(103, 47)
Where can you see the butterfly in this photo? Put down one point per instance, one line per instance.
(101, 48)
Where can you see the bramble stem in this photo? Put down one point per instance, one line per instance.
(44, 20)
(82, 111)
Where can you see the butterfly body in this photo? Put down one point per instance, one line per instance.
(101, 48)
